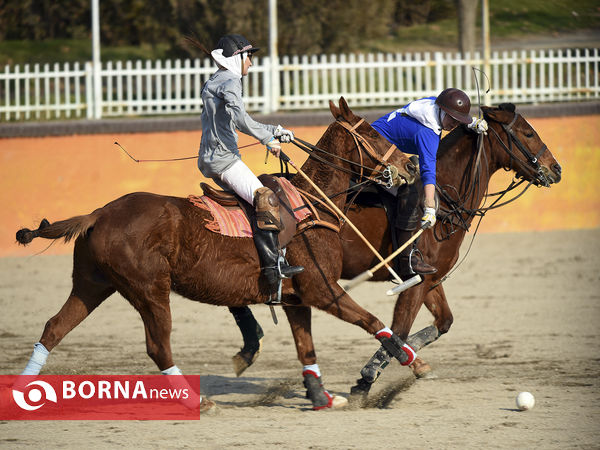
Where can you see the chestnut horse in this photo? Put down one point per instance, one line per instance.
(145, 245)
(463, 173)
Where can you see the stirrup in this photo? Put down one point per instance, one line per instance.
(285, 270)
(418, 256)
(275, 300)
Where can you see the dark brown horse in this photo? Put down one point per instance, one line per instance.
(464, 169)
(145, 245)
(463, 173)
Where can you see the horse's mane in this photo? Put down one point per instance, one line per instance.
(450, 140)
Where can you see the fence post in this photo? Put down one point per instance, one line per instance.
(267, 90)
(439, 72)
(273, 104)
(89, 91)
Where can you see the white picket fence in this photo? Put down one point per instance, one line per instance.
(304, 83)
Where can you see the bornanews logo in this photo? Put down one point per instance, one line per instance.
(96, 397)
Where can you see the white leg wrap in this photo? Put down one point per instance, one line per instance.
(174, 370)
(37, 360)
(312, 368)
(242, 180)
(180, 383)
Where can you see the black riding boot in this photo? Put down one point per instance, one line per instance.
(411, 259)
(272, 267)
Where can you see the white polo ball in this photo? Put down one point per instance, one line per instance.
(525, 401)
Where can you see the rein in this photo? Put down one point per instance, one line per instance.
(361, 145)
(457, 209)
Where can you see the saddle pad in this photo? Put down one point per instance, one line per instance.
(234, 223)
(300, 209)
(228, 222)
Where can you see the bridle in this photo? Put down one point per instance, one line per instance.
(455, 214)
(383, 174)
(453, 217)
(532, 160)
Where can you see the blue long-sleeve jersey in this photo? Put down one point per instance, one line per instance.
(411, 136)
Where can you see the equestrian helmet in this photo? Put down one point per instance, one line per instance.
(232, 44)
(456, 104)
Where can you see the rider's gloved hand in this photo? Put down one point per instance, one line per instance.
(428, 219)
(284, 136)
(274, 147)
(478, 125)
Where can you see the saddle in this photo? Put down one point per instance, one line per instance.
(288, 214)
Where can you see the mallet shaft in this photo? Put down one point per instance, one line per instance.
(356, 230)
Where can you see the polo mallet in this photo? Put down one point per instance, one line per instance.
(368, 274)
(286, 158)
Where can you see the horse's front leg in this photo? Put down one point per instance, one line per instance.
(392, 346)
(437, 304)
(407, 306)
(317, 286)
(299, 318)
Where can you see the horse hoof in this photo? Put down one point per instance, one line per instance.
(242, 360)
(422, 370)
(207, 406)
(426, 375)
(335, 402)
(339, 402)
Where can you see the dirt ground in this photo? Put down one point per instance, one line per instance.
(526, 308)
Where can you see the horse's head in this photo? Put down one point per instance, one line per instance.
(524, 151)
(381, 155)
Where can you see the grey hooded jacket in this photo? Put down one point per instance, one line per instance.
(223, 113)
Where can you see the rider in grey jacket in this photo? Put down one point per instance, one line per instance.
(220, 159)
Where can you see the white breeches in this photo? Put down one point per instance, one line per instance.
(241, 179)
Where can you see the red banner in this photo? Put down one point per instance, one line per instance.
(100, 397)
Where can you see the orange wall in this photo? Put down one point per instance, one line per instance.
(59, 177)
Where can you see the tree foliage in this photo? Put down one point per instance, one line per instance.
(304, 27)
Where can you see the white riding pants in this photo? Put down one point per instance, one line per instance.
(241, 179)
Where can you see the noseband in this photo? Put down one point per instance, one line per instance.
(532, 160)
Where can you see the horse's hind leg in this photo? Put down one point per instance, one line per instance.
(252, 334)
(157, 326)
(90, 289)
(152, 302)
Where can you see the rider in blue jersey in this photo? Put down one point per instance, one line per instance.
(416, 129)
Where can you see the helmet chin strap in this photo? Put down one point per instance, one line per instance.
(441, 115)
(244, 57)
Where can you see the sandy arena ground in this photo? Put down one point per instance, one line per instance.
(526, 308)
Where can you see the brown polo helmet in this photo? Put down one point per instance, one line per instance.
(455, 103)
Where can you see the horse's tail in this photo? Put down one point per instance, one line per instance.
(67, 229)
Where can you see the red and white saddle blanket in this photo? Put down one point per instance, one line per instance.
(233, 222)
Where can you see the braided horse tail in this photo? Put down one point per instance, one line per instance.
(67, 229)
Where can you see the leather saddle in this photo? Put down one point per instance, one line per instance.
(232, 200)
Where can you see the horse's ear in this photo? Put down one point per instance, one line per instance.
(335, 111)
(502, 113)
(347, 113)
(507, 107)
